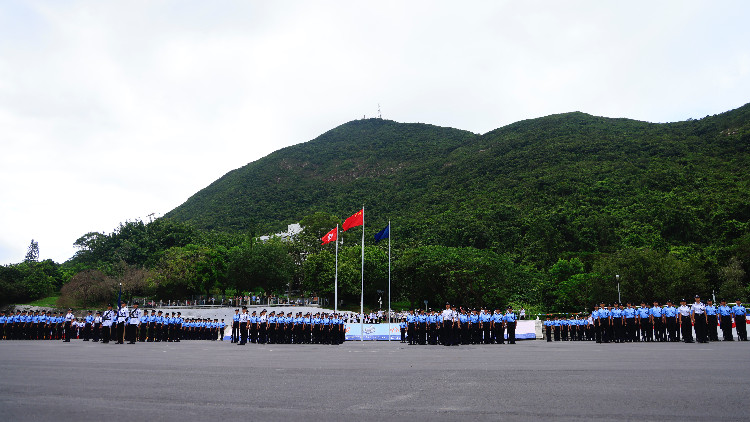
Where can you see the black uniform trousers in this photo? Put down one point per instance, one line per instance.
(726, 327)
(68, 330)
(106, 333)
(672, 329)
(511, 332)
(235, 331)
(412, 332)
(243, 332)
(548, 330)
(700, 328)
(712, 329)
(131, 328)
(740, 323)
(659, 329)
(686, 328)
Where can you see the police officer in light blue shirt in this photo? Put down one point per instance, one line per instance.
(644, 322)
(3, 322)
(143, 327)
(739, 312)
(657, 322)
(510, 324)
(236, 326)
(712, 321)
(671, 321)
(725, 318)
(411, 331)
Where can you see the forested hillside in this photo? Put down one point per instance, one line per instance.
(541, 213)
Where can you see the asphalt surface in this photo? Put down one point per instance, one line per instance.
(364, 381)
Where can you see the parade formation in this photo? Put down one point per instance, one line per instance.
(453, 327)
(119, 326)
(615, 323)
(273, 328)
(620, 324)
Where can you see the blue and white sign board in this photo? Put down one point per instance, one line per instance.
(525, 329)
(372, 332)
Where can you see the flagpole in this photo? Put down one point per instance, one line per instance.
(389, 280)
(362, 291)
(336, 276)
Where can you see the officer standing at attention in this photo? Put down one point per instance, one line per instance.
(698, 317)
(725, 315)
(3, 321)
(740, 313)
(87, 328)
(498, 328)
(97, 326)
(236, 326)
(151, 323)
(122, 316)
(69, 325)
(134, 320)
(548, 329)
(670, 321)
(447, 315)
(402, 327)
(107, 319)
(711, 321)
(657, 321)
(243, 326)
(252, 322)
(604, 323)
(616, 317)
(644, 319)
(411, 330)
(510, 322)
(485, 321)
(143, 327)
(685, 325)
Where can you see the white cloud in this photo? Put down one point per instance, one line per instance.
(113, 110)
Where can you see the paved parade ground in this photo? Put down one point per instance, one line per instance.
(368, 381)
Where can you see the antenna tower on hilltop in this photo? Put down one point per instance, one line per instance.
(379, 115)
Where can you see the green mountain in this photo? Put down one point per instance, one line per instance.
(535, 190)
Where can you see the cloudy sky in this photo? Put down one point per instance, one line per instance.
(111, 111)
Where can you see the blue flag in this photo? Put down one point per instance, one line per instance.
(383, 234)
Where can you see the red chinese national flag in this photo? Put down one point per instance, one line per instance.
(331, 236)
(357, 219)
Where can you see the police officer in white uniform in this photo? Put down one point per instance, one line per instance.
(686, 328)
(69, 325)
(446, 335)
(134, 321)
(122, 317)
(107, 320)
(698, 317)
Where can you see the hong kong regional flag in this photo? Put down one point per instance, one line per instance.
(356, 220)
(331, 236)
